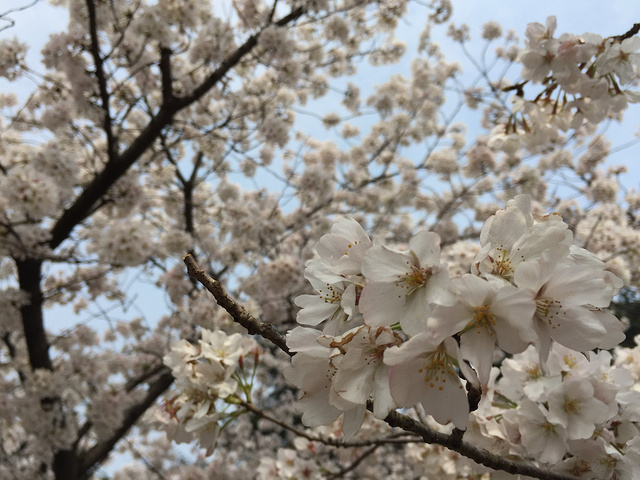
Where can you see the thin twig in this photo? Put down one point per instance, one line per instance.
(354, 464)
(334, 442)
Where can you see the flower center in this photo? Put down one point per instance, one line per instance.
(483, 318)
(437, 368)
(572, 406)
(331, 295)
(351, 245)
(414, 279)
(548, 310)
(502, 265)
(534, 372)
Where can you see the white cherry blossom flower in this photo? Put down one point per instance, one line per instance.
(523, 377)
(487, 313)
(361, 373)
(542, 439)
(573, 406)
(312, 371)
(344, 248)
(424, 370)
(403, 285)
(512, 236)
(334, 303)
(620, 58)
(568, 306)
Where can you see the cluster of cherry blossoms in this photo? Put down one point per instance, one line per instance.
(205, 375)
(398, 331)
(582, 77)
(579, 415)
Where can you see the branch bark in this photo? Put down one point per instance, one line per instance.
(238, 312)
(29, 275)
(112, 148)
(99, 452)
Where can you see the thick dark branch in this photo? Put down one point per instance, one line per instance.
(632, 31)
(29, 272)
(128, 387)
(102, 182)
(99, 186)
(29, 276)
(99, 452)
(478, 455)
(237, 311)
(188, 188)
(165, 72)
(112, 148)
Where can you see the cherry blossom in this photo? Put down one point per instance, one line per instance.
(403, 285)
(424, 371)
(488, 314)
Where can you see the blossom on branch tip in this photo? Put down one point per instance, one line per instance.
(344, 248)
(334, 302)
(203, 374)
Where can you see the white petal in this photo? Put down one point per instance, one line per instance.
(352, 421)
(354, 379)
(381, 304)
(406, 388)
(507, 227)
(382, 400)
(314, 309)
(577, 328)
(473, 289)
(426, 246)
(316, 410)
(383, 265)
(440, 289)
(477, 346)
(580, 286)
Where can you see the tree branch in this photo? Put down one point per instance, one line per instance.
(29, 272)
(165, 72)
(478, 455)
(112, 149)
(237, 311)
(234, 59)
(99, 452)
(632, 31)
(354, 464)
